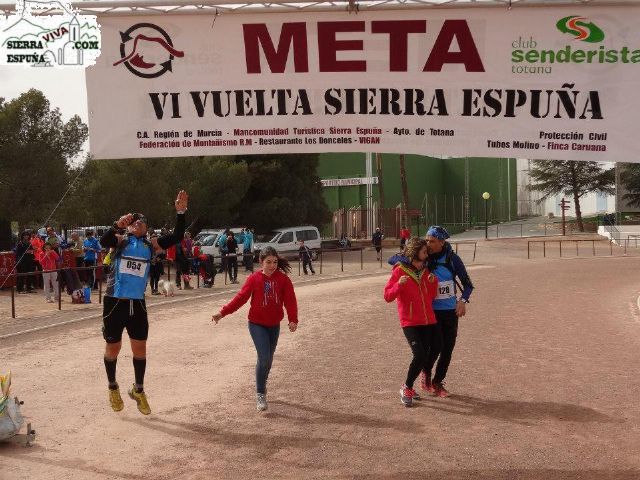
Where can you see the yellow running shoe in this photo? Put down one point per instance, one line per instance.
(141, 400)
(116, 400)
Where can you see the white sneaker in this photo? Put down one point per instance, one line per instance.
(261, 402)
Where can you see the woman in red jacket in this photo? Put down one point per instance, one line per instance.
(414, 288)
(269, 289)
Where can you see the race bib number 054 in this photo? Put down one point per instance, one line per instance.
(133, 267)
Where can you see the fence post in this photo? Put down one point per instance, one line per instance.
(341, 260)
(13, 302)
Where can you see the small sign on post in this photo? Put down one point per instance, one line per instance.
(7, 269)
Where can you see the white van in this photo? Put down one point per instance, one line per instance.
(207, 240)
(286, 241)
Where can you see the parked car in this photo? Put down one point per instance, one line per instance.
(206, 241)
(286, 241)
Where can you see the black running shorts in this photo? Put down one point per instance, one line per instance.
(121, 313)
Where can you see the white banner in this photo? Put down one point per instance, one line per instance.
(541, 83)
(348, 182)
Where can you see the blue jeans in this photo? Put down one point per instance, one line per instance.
(265, 340)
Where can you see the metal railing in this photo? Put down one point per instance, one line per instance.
(577, 242)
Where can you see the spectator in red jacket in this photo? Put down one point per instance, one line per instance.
(50, 261)
(269, 289)
(405, 234)
(414, 288)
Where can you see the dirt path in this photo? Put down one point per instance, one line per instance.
(544, 378)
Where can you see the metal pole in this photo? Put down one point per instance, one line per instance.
(13, 302)
(544, 248)
(486, 221)
(475, 246)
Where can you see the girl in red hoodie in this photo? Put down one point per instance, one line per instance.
(269, 289)
(414, 288)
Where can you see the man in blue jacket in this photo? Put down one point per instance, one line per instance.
(124, 303)
(449, 305)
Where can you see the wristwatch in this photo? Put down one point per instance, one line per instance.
(463, 300)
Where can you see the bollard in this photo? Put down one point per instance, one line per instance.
(13, 302)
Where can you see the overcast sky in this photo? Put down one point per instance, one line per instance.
(65, 88)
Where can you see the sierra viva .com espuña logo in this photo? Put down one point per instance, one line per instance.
(49, 33)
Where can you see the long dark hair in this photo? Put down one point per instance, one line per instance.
(283, 264)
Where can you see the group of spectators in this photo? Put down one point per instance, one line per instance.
(39, 261)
